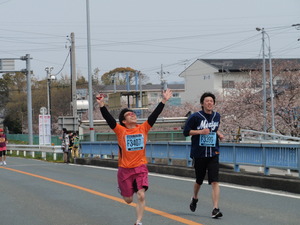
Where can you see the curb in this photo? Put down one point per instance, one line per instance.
(227, 175)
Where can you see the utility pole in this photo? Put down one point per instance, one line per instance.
(162, 81)
(73, 77)
(264, 82)
(90, 79)
(271, 87)
(29, 98)
(27, 71)
(48, 70)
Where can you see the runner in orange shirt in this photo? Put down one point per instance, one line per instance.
(132, 139)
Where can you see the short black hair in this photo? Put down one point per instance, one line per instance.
(122, 117)
(207, 94)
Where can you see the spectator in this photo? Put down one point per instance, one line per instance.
(75, 148)
(65, 145)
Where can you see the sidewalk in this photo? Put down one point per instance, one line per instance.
(273, 171)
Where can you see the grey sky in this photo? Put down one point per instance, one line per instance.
(145, 34)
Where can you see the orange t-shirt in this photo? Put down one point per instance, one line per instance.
(132, 144)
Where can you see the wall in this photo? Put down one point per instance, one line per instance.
(199, 77)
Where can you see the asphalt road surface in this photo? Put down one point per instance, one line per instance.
(35, 192)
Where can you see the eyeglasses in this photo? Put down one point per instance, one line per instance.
(129, 114)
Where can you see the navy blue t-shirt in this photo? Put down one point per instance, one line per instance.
(203, 145)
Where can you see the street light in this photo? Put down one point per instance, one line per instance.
(264, 79)
(49, 78)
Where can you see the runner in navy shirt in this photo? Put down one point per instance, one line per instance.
(203, 127)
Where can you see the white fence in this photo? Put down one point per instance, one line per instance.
(32, 149)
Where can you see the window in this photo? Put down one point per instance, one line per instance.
(228, 84)
(206, 77)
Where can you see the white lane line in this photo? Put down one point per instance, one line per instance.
(258, 190)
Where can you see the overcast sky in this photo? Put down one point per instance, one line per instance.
(144, 34)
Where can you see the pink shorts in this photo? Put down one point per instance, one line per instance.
(131, 180)
(3, 148)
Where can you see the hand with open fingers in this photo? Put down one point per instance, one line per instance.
(167, 94)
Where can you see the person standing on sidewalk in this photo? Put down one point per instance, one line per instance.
(203, 127)
(75, 148)
(3, 143)
(65, 145)
(70, 135)
(132, 139)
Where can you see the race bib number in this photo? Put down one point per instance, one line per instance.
(134, 142)
(208, 140)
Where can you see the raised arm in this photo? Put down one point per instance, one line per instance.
(167, 94)
(112, 123)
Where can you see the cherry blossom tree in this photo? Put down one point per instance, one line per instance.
(242, 107)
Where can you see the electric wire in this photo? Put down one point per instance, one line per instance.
(63, 64)
(273, 31)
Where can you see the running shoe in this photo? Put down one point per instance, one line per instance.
(193, 204)
(138, 223)
(216, 213)
(4, 163)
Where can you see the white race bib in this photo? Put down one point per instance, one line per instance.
(208, 140)
(134, 142)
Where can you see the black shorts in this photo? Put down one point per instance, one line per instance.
(2, 153)
(211, 165)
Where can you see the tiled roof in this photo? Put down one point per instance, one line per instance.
(247, 64)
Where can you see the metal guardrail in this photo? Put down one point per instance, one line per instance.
(281, 156)
(265, 137)
(32, 149)
(160, 121)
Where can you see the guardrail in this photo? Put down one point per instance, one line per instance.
(282, 156)
(252, 136)
(32, 149)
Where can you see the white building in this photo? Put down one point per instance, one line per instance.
(217, 75)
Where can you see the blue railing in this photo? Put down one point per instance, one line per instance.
(283, 156)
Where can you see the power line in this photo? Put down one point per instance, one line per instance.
(63, 64)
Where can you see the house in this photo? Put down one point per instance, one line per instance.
(217, 75)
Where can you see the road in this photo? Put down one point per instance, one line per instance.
(36, 192)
